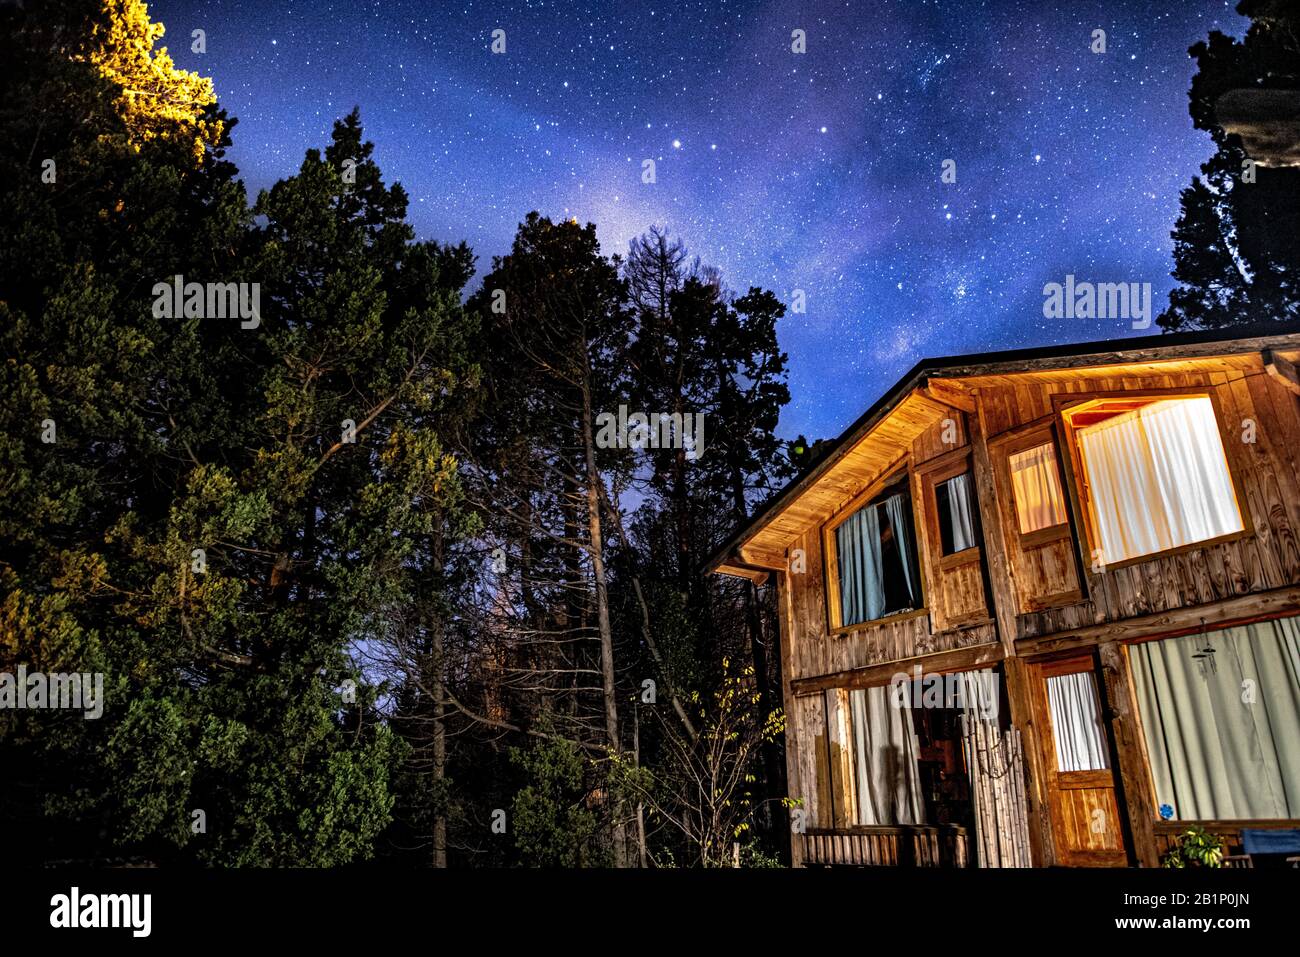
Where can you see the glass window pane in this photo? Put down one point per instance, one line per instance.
(957, 516)
(1076, 723)
(875, 552)
(1221, 717)
(1037, 486)
(1158, 477)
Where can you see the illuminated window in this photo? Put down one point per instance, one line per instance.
(1154, 473)
(1037, 485)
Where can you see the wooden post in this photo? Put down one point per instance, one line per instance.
(1135, 774)
(795, 785)
(1005, 604)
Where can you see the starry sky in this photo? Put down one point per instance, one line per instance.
(818, 171)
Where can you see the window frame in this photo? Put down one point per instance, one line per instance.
(1148, 783)
(1080, 502)
(1040, 431)
(900, 475)
(935, 565)
(932, 482)
(1041, 434)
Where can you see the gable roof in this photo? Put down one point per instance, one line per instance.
(929, 385)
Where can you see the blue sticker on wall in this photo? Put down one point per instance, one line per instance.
(1166, 812)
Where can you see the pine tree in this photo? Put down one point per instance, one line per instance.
(1236, 248)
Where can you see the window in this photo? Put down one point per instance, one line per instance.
(1036, 485)
(914, 747)
(875, 567)
(1221, 717)
(1154, 474)
(957, 517)
(1076, 722)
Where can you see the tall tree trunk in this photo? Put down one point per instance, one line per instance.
(439, 754)
(596, 543)
(439, 710)
(773, 766)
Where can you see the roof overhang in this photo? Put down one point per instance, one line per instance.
(874, 445)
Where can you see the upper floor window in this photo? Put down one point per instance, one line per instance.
(958, 524)
(875, 570)
(1153, 473)
(1036, 484)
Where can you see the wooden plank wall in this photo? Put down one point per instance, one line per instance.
(1268, 471)
(815, 652)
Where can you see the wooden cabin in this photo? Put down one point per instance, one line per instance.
(1043, 607)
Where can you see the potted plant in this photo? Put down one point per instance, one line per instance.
(1196, 847)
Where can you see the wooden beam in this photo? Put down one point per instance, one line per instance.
(950, 393)
(1241, 610)
(1282, 369)
(1001, 574)
(757, 575)
(1134, 770)
(757, 558)
(941, 662)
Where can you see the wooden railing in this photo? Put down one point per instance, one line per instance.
(944, 845)
(1168, 832)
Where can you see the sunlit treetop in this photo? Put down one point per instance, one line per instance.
(157, 101)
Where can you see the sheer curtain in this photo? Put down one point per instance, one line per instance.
(960, 512)
(1076, 722)
(1037, 485)
(858, 555)
(901, 522)
(886, 751)
(1159, 478)
(1223, 729)
(1191, 469)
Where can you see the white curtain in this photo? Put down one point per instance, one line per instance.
(1222, 727)
(1159, 478)
(959, 510)
(886, 753)
(1037, 486)
(1076, 722)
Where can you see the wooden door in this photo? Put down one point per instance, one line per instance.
(1087, 828)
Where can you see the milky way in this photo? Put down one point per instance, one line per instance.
(817, 171)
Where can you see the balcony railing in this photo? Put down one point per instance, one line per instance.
(942, 845)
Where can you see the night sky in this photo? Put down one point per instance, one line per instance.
(816, 171)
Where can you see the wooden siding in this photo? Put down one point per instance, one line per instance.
(1045, 598)
(1267, 472)
(816, 652)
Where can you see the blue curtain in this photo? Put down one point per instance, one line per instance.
(857, 551)
(901, 521)
(863, 564)
(960, 513)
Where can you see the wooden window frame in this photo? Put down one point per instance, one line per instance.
(901, 474)
(1127, 645)
(926, 482)
(1081, 503)
(1040, 431)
